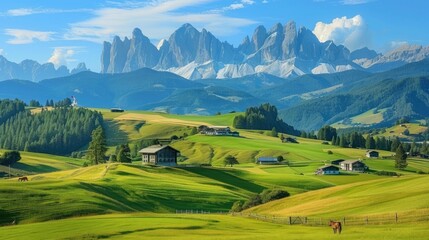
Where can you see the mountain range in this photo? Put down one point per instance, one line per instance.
(34, 71)
(283, 51)
(306, 102)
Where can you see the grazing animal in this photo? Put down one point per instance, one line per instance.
(22, 179)
(335, 226)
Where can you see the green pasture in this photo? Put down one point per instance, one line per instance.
(397, 131)
(119, 188)
(33, 163)
(387, 195)
(367, 118)
(213, 149)
(189, 227)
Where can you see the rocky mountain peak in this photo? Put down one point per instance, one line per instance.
(284, 51)
(259, 36)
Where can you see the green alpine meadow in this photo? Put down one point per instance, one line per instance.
(195, 120)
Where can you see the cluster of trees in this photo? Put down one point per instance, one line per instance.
(123, 154)
(60, 131)
(327, 133)
(9, 108)
(9, 157)
(34, 103)
(357, 140)
(264, 117)
(257, 199)
(61, 103)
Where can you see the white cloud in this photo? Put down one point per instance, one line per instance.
(397, 44)
(350, 32)
(265, 1)
(1, 51)
(22, 36)
(235, 6)
(157, 19)
(31, 11)
(63, 56)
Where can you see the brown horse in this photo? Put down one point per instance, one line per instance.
(335, 226)
(22, 179)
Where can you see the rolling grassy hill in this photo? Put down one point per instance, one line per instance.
(390, 195)
(415, 132)
(33, 163)
(60, 188)
(118, 188)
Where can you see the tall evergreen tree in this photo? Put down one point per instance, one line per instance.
(400, 158)
(97, 147)
(369, 142)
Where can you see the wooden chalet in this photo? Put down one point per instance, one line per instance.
(328, 170)
(353, 165)
(162, 155)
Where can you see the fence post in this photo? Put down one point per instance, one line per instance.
(396, 217)
(290, 220)
(366, 220)
(344, 220)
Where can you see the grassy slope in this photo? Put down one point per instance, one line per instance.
(32, 163)
(189, 227)
(366, 118)
(397, 130)
(127, 188)
(388, 195)
(120, 188)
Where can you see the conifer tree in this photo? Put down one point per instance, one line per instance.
(97, 147)
(400, 158)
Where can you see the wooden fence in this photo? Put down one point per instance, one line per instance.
(199, 211)
(392, 218)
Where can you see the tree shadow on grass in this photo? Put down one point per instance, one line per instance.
(226, 178)
(114, 135)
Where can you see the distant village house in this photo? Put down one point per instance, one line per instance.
(267, 160)
(289, 140)
(117, 110)
(162, 155)
(328, 170)
(353, 165)
(218, 131)
(372, 154)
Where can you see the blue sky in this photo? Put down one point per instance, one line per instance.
(71, 31)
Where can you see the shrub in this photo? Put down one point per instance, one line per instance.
(254, 200)
(387, 173)
(237, 207)
(273, 194)
(10, 157)
(257, 199)
(330, 152)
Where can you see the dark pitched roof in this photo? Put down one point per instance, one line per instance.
(329, 166)
(155, 149)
